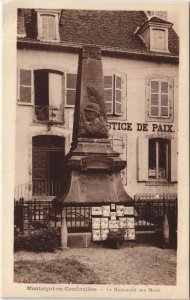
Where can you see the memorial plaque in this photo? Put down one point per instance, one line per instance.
(130, 222)
(96, 235)
(104, 234)
(96, 211)
(104, 223)
(95, 223)
(120, 210)
(106, 211)
(122, 222)
(131, 234)
(128, 210)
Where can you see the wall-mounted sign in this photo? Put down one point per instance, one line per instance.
(154, 127)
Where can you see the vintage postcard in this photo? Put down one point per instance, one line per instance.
(95, 149)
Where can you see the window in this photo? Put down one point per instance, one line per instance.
(156, 159)
(160, 99)
(159, 159)
(25, 78)
(48, 91)
(47, 86)
(48, 26)
(159, 39)
(71, 82)
(113, 94)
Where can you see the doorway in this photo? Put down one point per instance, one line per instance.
(48, 165)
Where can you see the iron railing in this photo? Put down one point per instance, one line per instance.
(46, 113)
(39, 187)
(35, 214)
(23, 191)
(148, 215)
(150, 209)
(46, 187)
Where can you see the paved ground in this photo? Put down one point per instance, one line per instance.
(129, 265)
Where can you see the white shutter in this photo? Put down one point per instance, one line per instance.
(108, 93)
(142, 161)
(174, 160)
(154, 98)
(158, 39)
(55, 89)
(164, 98)
(25, 86)
(171, 97)
(119, 145)
(120, 93)
(71, 82)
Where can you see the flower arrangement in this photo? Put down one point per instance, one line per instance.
(117, 235)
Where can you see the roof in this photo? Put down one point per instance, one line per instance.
(111, 30)
(158, 20)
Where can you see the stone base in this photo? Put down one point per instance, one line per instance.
(79, 240)
(94, 164)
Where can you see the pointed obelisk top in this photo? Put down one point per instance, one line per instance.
(90, 119)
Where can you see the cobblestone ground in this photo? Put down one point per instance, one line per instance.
(137, 265)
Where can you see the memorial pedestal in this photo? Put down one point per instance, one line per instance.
(93, 165)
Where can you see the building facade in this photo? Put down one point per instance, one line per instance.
(140, 65)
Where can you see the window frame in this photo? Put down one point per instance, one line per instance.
(170, 106)
(55, 14)
(168, 160)
(152, 28)
(114, 75)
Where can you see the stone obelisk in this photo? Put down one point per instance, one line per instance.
(94, 166)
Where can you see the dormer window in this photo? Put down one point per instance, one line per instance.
(48, 25)
(47, 28)
(159, 39)
(154, 34)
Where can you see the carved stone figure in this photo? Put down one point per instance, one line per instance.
(93, 120)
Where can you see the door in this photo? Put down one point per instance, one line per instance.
(48, 165)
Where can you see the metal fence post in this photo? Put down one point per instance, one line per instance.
(63, 230)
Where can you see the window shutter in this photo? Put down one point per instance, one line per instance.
(154, 98)
(55, 89)
(174, 160)
(119, 145)
(164, 100)
(147, 95)
(108, 93)
(118, 94)
(159, 40)
(142, 163)
(25, 86)
(170, 97)
(71, 82)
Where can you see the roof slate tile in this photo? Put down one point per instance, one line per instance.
(104, 28)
